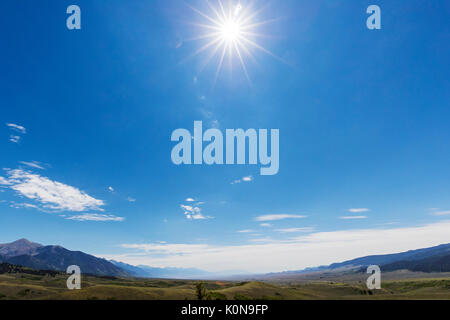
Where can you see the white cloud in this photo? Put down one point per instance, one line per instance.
(352, 217)
(265, 225)
(51, 195)
(243, 179)
(358, 210)
(295, 230)
(33, 164)
(193, 212)
(23, 205)
(130, 199)
(441, 213)
(274, 217)
(14, 138)
(4, 181)
(190, 200)
(320, 248)
(110, 189)
(246, 231)
(17, 128)
(95, 217)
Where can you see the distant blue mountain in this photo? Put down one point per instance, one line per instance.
(434, 259)
(153, 272)
(386, 259)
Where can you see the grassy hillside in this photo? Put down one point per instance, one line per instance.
(44, 286)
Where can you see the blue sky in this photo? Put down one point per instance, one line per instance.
(363, 118)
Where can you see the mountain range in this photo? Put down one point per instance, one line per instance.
(434, 259)
(36, 256)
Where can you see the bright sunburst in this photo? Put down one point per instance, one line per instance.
(230, 29)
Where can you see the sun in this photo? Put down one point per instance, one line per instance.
(231, 33)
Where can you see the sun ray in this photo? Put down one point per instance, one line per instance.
(223, 9)
(242, 61)
(219, 67)
(221, 18)
(205, 16)
(258, 24)
(245, 49)
(248, 18)
(257, 46)
(206, 46)
(205, 36)
(210, 56)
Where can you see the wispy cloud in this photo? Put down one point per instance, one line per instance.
(17, 128)
(130, 199)
(33, 164)
(23, 205)
(358, 210)
(352, 217)
(110, 189)
(319, 248)
(246, 231)
(50, 195)
(441, 213)
(274, 217)
(190, 200)
(265, 225)
(94, 217)
(295, 230)
(14, 138)
(4, 181)
(243, 179)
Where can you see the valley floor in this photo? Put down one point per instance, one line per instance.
(20, 286)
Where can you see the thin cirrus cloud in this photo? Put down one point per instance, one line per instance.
(33, 164)
(246, 231)
(441, 213)
(353, 217)
(13, 138)
(95, 217)
(17, 128)
(265, 225)
(53, 196)
(358, 210)
(275, 217)
(295, 230)
(318, 248)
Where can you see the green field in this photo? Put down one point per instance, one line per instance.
(19, 286)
